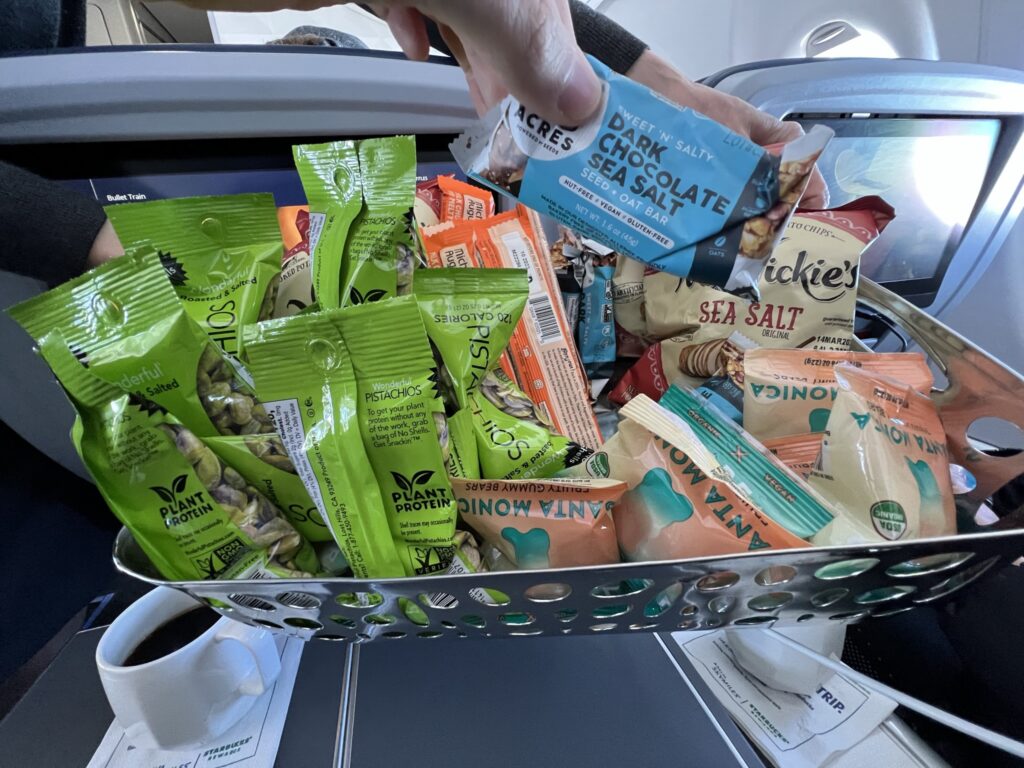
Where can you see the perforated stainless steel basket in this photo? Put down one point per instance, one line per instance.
(756, 589)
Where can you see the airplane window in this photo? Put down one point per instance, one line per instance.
(867, 44)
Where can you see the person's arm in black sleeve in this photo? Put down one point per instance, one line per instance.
(49, 231)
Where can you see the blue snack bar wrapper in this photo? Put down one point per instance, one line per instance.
(650, 179)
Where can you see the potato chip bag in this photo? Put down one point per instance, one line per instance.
(884, 464)
(563, 523)
(791, 391)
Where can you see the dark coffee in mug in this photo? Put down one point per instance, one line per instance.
(172, 635)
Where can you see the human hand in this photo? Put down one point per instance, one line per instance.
(105, 247)
(732, 112)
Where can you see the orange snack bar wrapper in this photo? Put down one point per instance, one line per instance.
(449, 245)
(562, 523)
(461, 200)
(543, 353)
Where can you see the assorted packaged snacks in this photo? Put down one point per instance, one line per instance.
(791, 391)
(656, 182)
(295, 289)
(722, 449)
(470, 315)
(544, 523)
(450, 245)
(673, 508)
(221, 254)
(819, 253)
(884, 463)
(807, 299)
(402, 420)
(194, 516)
(125, 322)
(460, 200)
(265, 464)
(303, 369)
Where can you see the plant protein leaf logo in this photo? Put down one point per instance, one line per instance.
(375, 294)
(889, 519)
(175, 269)
(413, 495)
(179, 506)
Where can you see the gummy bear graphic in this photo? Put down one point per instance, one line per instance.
(531, 547)
(928, 489)
(661, 500)
(818, 419)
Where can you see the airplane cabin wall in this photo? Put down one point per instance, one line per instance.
(702, 37)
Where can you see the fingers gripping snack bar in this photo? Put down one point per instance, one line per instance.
(790, 391)
(402, 421)
(544, 523)
(722, 449)
(194, 516)
(303, 368)
(673, 509)
(222, 255)
(884, 463)
(125, 322)
(649, 179)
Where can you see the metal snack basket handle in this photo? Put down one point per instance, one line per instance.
(979, 386)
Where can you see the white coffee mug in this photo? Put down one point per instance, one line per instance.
(192, 695)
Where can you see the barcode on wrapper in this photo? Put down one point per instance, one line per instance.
(544, 320)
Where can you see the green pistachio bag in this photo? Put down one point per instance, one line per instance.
(264, 463)
(379, 241)
(125, 322)
(511, 448)
(222, 255)
(402, 421)
(333, 186)
(195, 517)
(463, 459)
(470, 315)
(304, 371)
